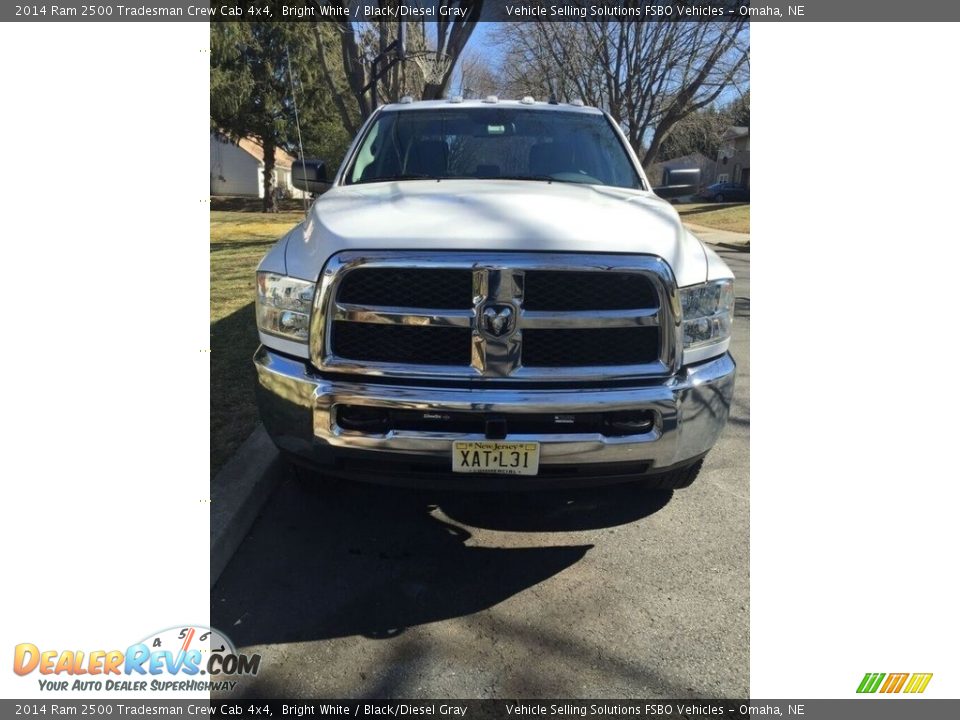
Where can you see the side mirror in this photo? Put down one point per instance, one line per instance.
(673, 192)
(310, 175)
(679, 184)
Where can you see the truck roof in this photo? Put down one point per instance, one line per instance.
(526, 104)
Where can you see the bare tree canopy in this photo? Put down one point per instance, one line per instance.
(476, 77)
(662, 81)
(452, 37)
(352, 47)
(702, 131)
(649, 75)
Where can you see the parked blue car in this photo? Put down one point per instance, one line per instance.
(725, 192)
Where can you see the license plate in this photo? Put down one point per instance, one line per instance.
(495, 457)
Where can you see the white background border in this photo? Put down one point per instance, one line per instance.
(853, 490)
(854, 500)
(105, 516)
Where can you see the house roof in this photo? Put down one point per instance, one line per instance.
(692, 157)
(281, 157)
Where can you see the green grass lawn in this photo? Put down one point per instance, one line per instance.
(734, 217)
(238, 239)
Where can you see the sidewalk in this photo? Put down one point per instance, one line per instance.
(723, 238)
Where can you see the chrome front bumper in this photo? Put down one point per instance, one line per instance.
(297, 406)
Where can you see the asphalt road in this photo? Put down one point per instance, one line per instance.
(350, 590)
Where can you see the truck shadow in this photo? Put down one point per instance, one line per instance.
(554, 510)
(334, 559)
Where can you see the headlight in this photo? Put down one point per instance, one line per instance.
(283, 306)
(707, 318)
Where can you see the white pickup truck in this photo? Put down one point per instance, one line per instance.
(489, 295)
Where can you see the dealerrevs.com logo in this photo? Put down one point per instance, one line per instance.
(182, 659)
(910, 683)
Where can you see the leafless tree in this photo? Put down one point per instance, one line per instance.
(452, 37)
(346, 50)
(649, 75)
(475, 77)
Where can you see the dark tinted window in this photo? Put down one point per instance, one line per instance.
(493, 142)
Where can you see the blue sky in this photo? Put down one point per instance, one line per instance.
(482, 40)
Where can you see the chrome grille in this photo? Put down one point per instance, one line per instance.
(419, 345)
(595, 346)
(505, 315)
(443, 289)
(573, 290)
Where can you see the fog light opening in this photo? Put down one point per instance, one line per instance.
(359, 418)
(630, 422)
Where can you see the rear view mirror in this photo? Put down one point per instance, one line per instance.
(670, 192)
(310, 175)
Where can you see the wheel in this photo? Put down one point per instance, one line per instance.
(676, 479)
(719, 198)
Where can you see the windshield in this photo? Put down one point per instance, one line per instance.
(505, 143)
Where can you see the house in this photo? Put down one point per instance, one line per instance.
(733, 158)
(236, 169)
(658, 172)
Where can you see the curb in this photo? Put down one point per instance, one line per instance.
(237, 493)
(704, 234)
(732, 246)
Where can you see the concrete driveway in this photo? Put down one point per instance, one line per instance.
(355, 591)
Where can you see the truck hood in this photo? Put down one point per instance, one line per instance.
(492, 215)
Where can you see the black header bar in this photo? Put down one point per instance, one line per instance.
(493, 10)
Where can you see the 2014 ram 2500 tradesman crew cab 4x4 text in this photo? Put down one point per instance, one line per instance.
(490, 295)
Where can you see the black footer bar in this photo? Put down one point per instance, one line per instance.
(868, 708)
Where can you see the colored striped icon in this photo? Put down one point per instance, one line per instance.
(894, 682)
(918, 683)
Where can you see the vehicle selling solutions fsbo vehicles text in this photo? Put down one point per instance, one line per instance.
(637, 12)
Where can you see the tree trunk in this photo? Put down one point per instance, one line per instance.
(432, 91)
(269, 161)
(353, 66)
(659, 135)
(335, 93)
(452, 38)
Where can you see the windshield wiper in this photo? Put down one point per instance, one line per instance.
(540, 178)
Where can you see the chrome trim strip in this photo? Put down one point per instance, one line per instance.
(404, 316)
(498, 278)
(589, 319)
(705, 352)
(298, 408)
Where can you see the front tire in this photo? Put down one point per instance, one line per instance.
(719, 198)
